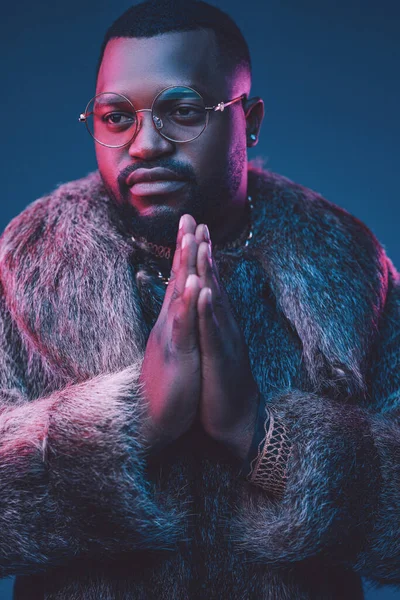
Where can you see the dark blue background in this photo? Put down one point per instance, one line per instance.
(327, 71)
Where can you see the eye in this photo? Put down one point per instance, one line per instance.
(118, 118)
(184, 110)
(188, 115)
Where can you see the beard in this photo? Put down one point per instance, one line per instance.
(207, 203)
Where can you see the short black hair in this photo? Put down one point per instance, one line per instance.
(154, 17)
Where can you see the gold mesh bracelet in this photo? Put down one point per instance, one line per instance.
(268, 468)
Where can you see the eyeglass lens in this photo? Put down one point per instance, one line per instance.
(178, 113)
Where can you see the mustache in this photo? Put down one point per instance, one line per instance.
(181, 170)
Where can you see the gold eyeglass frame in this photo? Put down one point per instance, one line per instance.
(83, 117)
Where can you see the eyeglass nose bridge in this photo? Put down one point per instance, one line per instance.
(156, 120)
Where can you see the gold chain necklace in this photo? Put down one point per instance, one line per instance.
(240, 243)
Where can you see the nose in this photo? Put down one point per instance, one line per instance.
(148, 142)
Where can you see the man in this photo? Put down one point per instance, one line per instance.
(199, 359)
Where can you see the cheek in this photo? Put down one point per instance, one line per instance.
(108, 160)
(213, 146)
(214, 154)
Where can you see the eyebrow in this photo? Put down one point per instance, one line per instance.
(199, 88)
(195, 85)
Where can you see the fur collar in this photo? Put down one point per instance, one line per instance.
(328, 272)
(63, 254)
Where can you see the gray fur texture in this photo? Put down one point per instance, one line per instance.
(82, 510)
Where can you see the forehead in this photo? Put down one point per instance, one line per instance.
(141, 66)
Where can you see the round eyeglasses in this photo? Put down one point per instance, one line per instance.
(178, 113)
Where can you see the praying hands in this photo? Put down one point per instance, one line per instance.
(196, 359)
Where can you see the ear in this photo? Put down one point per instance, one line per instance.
(254, 112)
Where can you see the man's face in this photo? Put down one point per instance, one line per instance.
(213, 166)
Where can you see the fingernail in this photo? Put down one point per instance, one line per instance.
(190, 281)
(209, 252)
(206, 233)
(181, 222)
(184, 241)
(209, 295)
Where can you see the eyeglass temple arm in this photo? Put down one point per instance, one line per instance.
(83, 116)
(222, 105)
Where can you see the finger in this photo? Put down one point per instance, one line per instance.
(185, 323)
(187, 266)
(187, 224)
(202, 233)
(204, 264)
(209, 329)
(206, 270)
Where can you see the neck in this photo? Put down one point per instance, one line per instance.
(231, 228)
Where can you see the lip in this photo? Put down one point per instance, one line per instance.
(150, 176)
(156, 188)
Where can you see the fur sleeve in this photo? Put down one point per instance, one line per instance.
(72, 470)
(342, 498)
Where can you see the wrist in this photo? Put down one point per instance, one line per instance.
(240, 444)
(244, 440)
(260, 427)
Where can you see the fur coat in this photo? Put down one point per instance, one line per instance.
(84, 515)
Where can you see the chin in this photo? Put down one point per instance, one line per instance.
(156, 217)
(157, 224)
